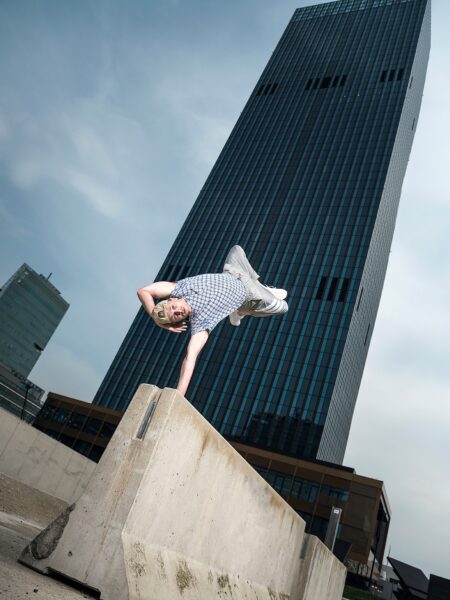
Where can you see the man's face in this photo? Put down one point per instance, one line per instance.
(178, 309)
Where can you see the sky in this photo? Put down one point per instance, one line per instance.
(112, 114)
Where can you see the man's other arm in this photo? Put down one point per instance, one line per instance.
(158, 289)
(196, 343)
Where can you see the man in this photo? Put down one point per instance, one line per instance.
(207, 299)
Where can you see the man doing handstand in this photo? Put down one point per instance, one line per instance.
(207, 299)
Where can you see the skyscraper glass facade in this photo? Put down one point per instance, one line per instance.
(308, 184)
(31, 308)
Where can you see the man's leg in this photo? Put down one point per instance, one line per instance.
(237, 264)
(261, 302)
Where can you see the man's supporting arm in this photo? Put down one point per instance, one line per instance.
(196, 343)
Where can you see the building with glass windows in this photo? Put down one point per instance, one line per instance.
(31, 308)
(314, 488)
(308, 184)
(19, 395)
(82, 426)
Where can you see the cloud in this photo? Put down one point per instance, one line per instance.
(69, 152)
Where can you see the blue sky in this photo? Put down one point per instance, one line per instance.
(111, 117)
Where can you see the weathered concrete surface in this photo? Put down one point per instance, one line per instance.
(179, 513)
(29, 456)
(27, 503)
(16, 581)
(321, 578)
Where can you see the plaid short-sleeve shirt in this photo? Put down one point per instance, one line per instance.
(212, 297)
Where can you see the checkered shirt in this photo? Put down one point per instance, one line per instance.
(212, 297)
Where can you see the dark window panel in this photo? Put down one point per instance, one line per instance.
(332, 290)
(321, 289)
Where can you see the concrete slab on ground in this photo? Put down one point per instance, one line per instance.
(17, 582)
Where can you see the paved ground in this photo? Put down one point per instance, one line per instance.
(24, 512)
(18, 582)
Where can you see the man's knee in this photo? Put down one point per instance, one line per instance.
(236, 251)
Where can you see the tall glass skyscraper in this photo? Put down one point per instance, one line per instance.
(308, 184)
(31, 308)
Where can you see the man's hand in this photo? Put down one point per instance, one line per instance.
(196, 343)
(176, 327)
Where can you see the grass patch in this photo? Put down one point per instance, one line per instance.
(352, 593)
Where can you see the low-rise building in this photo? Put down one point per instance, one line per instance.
(82, 426)
(19, 395)
(313, 488)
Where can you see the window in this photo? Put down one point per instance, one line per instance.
(183, 272)
(82, 447)
(392, 75)
(61, 415)
(96, 453)
(344, 289)
(47, 411)
(332, 290)
(367, 335)
(166, 273)
(261, 470)
(67, 440)
(326, 82)
(107, 430)
(335, 492)
(303, 489)
(400, 74)
(321, 289)
(76, 421)
(266, 88)
(92, 425)
(383, 76)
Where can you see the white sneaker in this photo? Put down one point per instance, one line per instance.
(277, 292)
(235, 318)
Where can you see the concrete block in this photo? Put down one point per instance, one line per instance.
(173, 511)
(15, 453)
(74, 471)
(35, 459)
(8, 425)
(35, 462)
(322, 574)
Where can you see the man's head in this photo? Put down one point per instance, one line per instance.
(170, 311)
